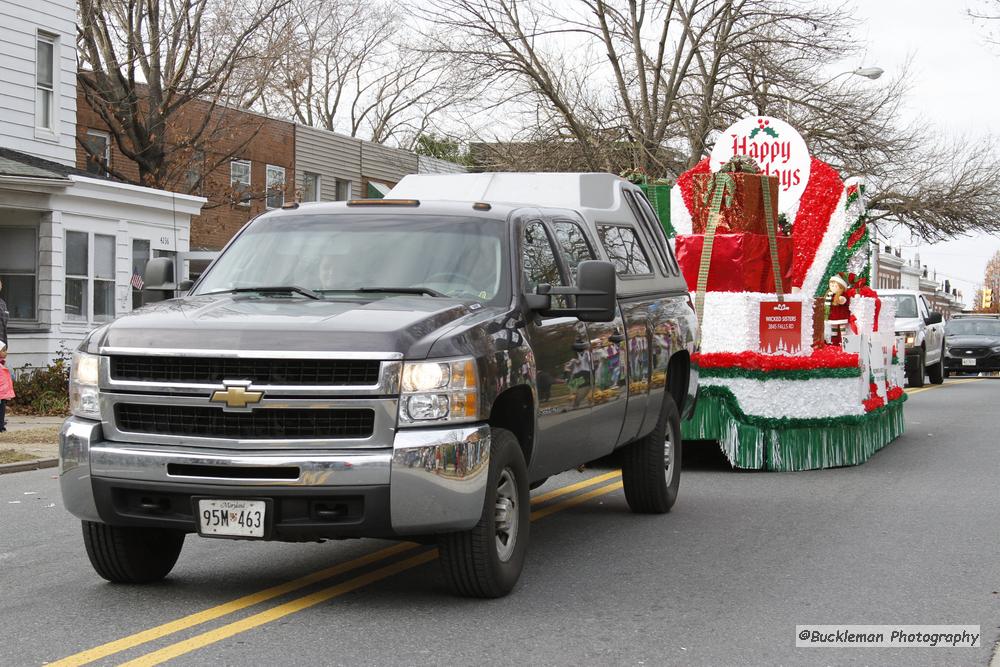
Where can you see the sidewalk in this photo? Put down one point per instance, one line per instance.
(35, 436)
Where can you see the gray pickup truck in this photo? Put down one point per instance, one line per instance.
(387, 368)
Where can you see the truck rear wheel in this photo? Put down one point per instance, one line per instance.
(486, 561)
(651, 467)
(131, 555)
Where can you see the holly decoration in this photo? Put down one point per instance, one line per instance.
(762, 126)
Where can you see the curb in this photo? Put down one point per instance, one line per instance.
(22, 466)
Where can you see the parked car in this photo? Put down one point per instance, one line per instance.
(923, 332)
(387, 368)
(972, 344)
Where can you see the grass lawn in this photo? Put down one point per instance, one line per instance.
(41, 435)
(12, 456)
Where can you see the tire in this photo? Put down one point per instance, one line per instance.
(915, 371)
(486, 561)
(936, 371)
(651, 466)
(131, 555)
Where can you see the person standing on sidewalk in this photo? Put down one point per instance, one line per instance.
(6, 381)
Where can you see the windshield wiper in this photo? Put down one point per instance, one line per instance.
(279, 289)
(404, 290)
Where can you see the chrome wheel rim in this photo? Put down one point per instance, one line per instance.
(668, 458)
(506, 515)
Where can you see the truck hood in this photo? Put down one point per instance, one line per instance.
(909, 324)
(966, 340)
(255, 322)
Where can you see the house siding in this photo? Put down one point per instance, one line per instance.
(21, 23)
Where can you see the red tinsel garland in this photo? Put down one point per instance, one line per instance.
(684, 182)
(830, 356)
(819, 200)
(895, 393)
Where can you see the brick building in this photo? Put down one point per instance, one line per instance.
(249, 167)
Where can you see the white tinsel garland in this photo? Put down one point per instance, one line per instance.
(794, 399)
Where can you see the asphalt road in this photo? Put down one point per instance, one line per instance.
(910, 537)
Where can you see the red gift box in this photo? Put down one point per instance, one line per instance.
(745, 212)
(740, 262)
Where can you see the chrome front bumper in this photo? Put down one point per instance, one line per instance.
(436, 477)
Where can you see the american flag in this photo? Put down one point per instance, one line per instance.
(136, 281)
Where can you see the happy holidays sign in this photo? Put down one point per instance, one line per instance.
(776, 147)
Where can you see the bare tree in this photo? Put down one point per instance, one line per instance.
(614, 84)
(148, 64)
(353, 66)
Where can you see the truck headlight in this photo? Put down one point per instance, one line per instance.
(909, 336)
(439, 391)
(83, 392)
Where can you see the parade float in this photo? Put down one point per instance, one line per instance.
(799, 364)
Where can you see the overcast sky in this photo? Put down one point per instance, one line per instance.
(954, 77)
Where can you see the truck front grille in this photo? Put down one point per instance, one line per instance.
(969, 351)
(259, 424)
(206, 370)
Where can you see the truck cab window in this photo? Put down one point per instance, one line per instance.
(538, 258)
(573, 243)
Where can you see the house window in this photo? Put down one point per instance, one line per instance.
(76, 276)
(239, 180)
(310, 186)
(140, 256)
(97, 146)
(45, 76)
(275, 186)
(19, 270)
(343, 190)
(104, 277)
(88, 283)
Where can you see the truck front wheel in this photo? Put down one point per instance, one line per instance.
(651, 466)
(915, 369)
(936, 371)
(486, 561)
(131, 555)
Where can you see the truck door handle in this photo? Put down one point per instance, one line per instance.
(581, 346)
(616, 337)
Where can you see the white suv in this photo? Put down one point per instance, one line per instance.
(923, 331)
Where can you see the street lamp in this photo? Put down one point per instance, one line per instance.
(867, 72)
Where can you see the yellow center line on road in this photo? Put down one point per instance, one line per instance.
(916, 390)
(281, 611)
(225, 609)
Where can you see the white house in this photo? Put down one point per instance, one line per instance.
(70, 243)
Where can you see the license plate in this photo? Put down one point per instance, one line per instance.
(231, 518)
(968, 362)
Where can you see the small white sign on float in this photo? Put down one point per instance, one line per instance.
(777, 148)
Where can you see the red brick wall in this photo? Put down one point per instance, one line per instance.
(247, 136)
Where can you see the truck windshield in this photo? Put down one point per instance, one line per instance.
(366, 256)
(906, 304)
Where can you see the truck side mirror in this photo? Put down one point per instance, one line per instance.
(595, 294)
(933, 318)
(597, 284)
(158, 280)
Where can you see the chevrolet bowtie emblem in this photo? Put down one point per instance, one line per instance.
(237, 397)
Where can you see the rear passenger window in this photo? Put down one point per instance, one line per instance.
(574, 244)
(659, 236)
(644, 222)
(624, 250)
